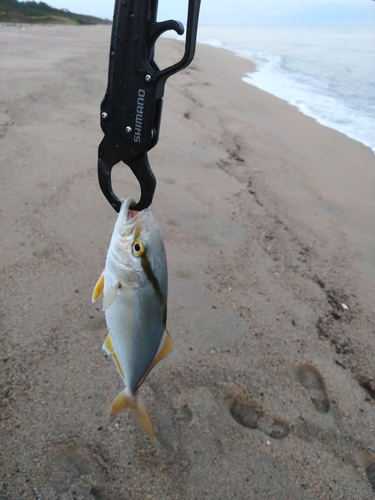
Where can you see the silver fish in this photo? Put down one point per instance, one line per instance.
(134, 285)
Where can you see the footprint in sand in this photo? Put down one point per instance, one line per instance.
(172, 222)
(250, 415)
(72, 466)
(309, 377)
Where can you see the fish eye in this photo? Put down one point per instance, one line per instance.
(138, 248)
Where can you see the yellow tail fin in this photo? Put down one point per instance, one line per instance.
(122, 401)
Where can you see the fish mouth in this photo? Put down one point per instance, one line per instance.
(127, 217)
(131, 214)
(126, 213)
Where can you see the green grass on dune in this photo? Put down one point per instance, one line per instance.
(13, 11)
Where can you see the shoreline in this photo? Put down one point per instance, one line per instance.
(304, 101)
(330, 186)
(267, 219)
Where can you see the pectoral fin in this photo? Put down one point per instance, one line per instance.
(99, 287)
(110, 295)
(122, 401)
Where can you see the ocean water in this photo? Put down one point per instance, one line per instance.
(327, 73)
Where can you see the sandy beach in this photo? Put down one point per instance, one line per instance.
(268, 221)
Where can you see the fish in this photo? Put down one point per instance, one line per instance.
(134, 286)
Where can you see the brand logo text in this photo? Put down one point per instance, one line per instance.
(139, 115)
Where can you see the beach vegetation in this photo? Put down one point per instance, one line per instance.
(30, 12)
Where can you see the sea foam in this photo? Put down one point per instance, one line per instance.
(326, 73)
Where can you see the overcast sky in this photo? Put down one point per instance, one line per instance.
(246, 12)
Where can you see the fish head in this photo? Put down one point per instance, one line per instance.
(137, 244)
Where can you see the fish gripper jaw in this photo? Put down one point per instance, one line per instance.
(132, 106)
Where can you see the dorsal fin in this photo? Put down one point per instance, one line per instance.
(166, 349)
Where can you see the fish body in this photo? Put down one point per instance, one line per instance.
(134, 285)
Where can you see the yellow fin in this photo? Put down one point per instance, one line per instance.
(122, 401)
(119, 403)
(108, 349)
(117, 362)
(166, 349)
(107, 345)
(110, 295)
(99, 287)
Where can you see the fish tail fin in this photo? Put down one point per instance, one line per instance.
(123, 401)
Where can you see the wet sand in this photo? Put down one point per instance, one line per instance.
(268, 221)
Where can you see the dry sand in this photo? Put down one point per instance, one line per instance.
(268, 220)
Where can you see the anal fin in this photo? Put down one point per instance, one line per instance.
(107, 345)
(108, 349)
